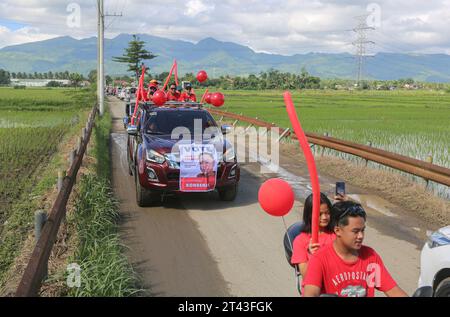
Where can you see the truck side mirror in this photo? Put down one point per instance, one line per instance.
(226, 128)
(132, 130)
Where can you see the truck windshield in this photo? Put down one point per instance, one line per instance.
(164, 122)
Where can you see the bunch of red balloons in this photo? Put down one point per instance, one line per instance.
(216, 99)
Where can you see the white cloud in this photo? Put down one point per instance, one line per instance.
(286, 27)
(22, 35)
(195, 7)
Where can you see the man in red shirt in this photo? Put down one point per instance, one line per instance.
(346, 267)
(206, 162)
(188, 95)
(173, 94)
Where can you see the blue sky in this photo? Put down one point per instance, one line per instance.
(11, 25)
(275, 26)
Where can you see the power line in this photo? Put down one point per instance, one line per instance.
(114, 15)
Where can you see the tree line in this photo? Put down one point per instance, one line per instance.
(74, 78)
(271, 79)
(4, 77)
(274, 79)
(45, 75)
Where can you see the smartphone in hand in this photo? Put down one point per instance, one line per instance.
(340, 189)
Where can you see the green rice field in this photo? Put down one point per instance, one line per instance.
(32, 124)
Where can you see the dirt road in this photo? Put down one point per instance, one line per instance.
(201, 246)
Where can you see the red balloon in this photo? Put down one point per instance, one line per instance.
(208, 98)
(159, 97)
(217, 99)
(276, 197)
(202, 76)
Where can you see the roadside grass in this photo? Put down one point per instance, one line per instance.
(105, 270)
(101, 152)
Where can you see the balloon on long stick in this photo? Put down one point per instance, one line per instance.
(176, 73)
(168, 78)
(204, 96)
(310, 163)
(170, 74)
(139, 93)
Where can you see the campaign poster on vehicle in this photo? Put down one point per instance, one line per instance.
(198, 167)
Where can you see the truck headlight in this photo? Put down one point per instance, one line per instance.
(173, 160)
(232, 172)
(152, 175)
(155, 157)
(439, 238)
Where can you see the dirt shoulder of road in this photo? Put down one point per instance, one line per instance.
(395, 188)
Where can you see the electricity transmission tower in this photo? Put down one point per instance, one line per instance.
(361, 42)
(100, 54)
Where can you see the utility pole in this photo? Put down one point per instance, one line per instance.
(100, 60)
(100, 55)
(360, 44)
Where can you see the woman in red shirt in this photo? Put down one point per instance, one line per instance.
(303, 249)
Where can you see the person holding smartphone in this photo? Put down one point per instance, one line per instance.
(340, 191)
(303, 248)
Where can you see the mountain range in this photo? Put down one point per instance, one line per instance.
(217, 58)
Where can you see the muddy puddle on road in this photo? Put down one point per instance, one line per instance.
(376, 204)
